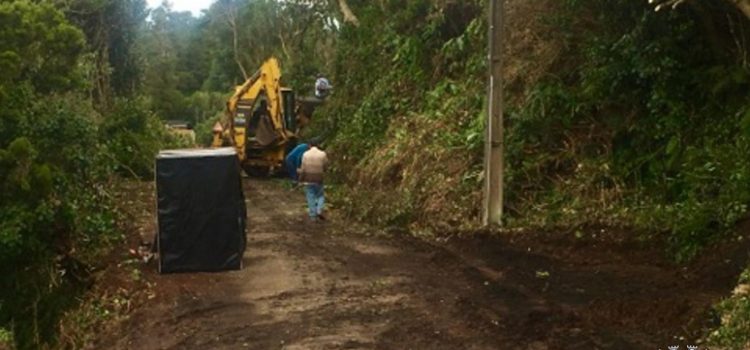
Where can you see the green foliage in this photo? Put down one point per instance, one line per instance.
(417, 124)
(204, 105)
(637, 118)
(407, 51)
(69, 120)
(164, 47)
(734, 332)
(192, 64)
(204, 130)
(22, 177)
(657, 111)
(134, 135)
(57, 156)
(54, 216)
(111, 29)
(6, 339)
(640, 121)
(38, 45)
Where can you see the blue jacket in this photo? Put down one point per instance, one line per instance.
(294, 159)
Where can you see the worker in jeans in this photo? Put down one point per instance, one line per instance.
(314, 163)
(294, 160)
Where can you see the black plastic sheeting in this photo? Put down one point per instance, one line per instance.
(201, 211)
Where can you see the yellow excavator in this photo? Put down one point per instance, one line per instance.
(263, 121)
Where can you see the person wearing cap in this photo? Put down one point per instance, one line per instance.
(312, 168)
(322, 87)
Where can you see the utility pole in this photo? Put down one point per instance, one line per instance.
(493, 152)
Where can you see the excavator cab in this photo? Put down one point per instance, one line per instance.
(288, 102)
(261, 140)
(260, 129)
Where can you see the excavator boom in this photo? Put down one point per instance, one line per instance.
(261, 137)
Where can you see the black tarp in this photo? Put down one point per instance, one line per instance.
(201, 211)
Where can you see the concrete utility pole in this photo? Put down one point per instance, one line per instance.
(493, 155)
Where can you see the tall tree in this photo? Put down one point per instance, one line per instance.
(111, 27)
(39, 51)
(38, 45)
(161, 44)
(301, 32)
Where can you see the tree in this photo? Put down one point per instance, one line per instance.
(39, 51)
(161, 44)
(111, 28)
(348, 14)
(230, 12)
(38, 45)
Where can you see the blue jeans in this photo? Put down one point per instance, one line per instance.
(315, 199)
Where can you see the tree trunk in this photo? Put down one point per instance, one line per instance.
(349, 16)
(232, 21)
(102, 70)
(237, 53)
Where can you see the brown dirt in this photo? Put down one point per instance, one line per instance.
(341, 286)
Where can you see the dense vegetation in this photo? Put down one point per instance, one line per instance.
(616, 115)
(86, 88)
(63, 135)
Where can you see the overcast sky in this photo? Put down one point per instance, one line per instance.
(194, 6)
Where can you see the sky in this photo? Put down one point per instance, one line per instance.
(194, 6)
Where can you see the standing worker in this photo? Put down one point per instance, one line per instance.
(322, 87)
(314, 163)
(294, 160)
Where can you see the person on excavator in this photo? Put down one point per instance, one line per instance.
(322, 87)
(257, 117)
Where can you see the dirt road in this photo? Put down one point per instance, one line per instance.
(340, 286)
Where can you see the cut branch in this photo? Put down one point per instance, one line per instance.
(231, 14)
(349, 16)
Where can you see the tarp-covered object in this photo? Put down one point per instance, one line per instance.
(201, 210)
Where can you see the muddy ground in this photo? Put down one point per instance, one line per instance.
(343, 286)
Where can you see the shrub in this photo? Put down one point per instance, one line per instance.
(734, 332)
(56, 215)
(134, 135)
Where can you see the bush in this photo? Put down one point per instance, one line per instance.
(134, 135)
(734, 332)
(204, 130)
(658, 115)
(616, 114)
(57, 157)
(56, 215)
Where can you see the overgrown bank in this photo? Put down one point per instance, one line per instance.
(64, 140)
(616, 115)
